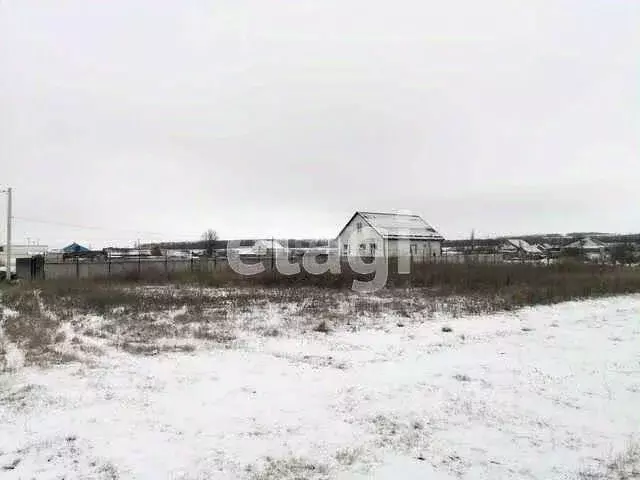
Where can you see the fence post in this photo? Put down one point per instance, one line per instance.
(77, 268)
(273, 255)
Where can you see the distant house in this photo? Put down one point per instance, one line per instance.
(75, 248)
(543, 247)
(262, 248)
(176, 253)
(73, 252)
(591, 248)
(587, 244)
(124, 253)
(390, 235)
(21, 251)
(313, 247)
(515, 248)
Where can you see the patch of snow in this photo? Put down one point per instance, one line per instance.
(13, 358)
(8, 313)
(490, 399)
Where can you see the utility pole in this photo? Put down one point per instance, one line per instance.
(8, 246)
(273, 253)
(473, 240)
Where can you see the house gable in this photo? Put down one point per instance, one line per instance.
(352, 221)
(359, 237)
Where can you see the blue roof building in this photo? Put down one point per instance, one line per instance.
(75, 248)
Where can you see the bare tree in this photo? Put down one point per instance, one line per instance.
(209, 238)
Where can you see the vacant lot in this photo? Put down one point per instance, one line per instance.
(194, 383)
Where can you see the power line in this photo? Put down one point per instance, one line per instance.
(88, 227)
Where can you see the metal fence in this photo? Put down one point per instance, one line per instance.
(32, 269)
(37, 268)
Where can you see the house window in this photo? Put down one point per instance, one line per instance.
(345, 248)
(372, 248)
(359, 226)
(363, 247)
(413, 249)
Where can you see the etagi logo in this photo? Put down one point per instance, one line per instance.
(362, 241)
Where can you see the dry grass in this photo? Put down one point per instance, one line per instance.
(625, 466)
(349, 456)
(293, 468)
(148, 318)
(516, 284)
(55, 322)
(35, 331)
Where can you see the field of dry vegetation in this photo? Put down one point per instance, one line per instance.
(54, 321)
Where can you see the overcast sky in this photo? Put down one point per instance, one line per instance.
(159, 119)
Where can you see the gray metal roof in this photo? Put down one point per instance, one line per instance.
(519, 244)
(398, 225)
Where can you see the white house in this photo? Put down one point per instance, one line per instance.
(390, 235)
(21, 251)
(262, 248)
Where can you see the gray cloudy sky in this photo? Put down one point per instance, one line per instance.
(158, 119)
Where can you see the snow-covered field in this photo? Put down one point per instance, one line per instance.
(540, 393)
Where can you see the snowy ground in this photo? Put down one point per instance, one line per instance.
(539, 393)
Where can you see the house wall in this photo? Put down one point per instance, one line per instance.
(355, 237)
(414, 248)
